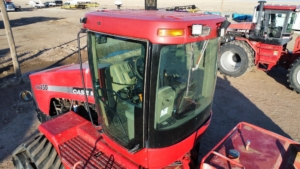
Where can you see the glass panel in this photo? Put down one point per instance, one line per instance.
(276, 24)
(186, 81)
(117, 67)
(291, 22)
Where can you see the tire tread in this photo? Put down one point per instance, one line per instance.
(40, 152)
(249, 55)
(290, 78)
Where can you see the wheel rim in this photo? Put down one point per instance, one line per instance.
(230, 61)
(298, 77)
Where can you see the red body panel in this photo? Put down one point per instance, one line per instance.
(241, 26)
(280, 7)
(145, 24)
(271, 54)
(59, 83)
(266, 150)
(71, 126)
(268, 54)
(297, 45)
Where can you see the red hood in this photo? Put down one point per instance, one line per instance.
(61, 82)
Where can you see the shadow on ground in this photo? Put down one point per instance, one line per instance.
(28, 21)
(4, 52)
(18, 120)
(230, 107)
(279, 75)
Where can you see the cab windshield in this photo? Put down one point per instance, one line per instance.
(180, 82)
(280, 23)
(185, 84)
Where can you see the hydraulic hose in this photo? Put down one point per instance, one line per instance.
(86, 105)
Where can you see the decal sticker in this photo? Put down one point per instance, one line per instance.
(63, 89)
(80, 91)
(41, 87)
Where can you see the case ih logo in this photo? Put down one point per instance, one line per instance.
(80, 91)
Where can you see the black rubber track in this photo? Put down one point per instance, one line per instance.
(38, 153)
(292, 75)
(245, 53)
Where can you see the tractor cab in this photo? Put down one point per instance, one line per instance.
(274, 23)
(153, 83)
(171, 84)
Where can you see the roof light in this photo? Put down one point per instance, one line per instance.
(200, 30)
(196, 30)
(170, 32)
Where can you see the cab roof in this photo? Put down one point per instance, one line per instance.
(144, 24)
(281, 7)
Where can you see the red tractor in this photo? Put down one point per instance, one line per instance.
(142, 100)
(263, 44)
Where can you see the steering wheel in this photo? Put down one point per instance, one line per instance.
(139, 67)
(276, 32)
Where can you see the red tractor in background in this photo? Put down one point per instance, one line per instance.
(263, 44)
(142, 101)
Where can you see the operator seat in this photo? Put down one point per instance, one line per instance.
(118, 76)
(275, 32)
(164, 104)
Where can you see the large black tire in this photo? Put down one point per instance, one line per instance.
(38, 153)
(235, 58)
(293, 76)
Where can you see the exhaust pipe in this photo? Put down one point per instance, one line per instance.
(258, 23)
(150, 4)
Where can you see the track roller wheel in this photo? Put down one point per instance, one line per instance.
(236, 58)
(38, 153)
(293, 76)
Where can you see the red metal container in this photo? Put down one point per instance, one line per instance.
(265, 150)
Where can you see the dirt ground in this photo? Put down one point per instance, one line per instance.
(47, 37)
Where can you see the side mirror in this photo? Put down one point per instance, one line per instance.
(223, 28)
(25, 96)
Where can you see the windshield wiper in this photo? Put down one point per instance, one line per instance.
(194, 67)
(200, 56)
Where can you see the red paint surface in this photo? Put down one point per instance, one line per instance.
(64, 76)
(64, 131)
(242, 25)
(145, 24)
(297, 45)
(70, 126)
(266, 150)
(280, 7)
(269, 54)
